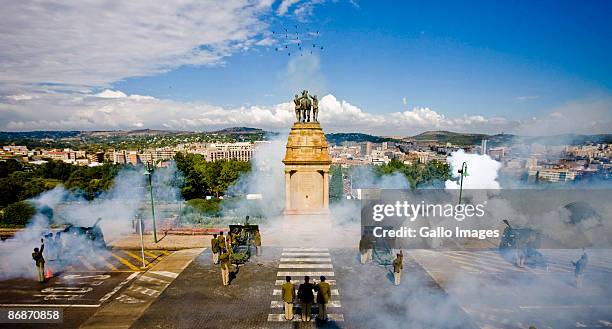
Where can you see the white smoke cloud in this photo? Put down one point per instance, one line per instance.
(116, 209)
(482, 171)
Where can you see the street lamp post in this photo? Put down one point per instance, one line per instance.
(463, 172)
(149, 174)
(140, 225)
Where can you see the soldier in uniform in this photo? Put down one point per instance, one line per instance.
(323, 297)
(315, 108)
(397, 268)
(214, 247)
(37, 255)
(298, 108)
(580, 266)
(306, 297)
(224, 260)
(221, 241)
(257, 243)
(365, 249)
(288, 292)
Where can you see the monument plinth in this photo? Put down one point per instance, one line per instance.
(307, 162)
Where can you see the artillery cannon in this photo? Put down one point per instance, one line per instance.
(514, 239)
(92, 234)
(242, 238)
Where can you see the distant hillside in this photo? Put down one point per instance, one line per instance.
(339, 138)
(10, 135)
(240, 130)
(451, 137)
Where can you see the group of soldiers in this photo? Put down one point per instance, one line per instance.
(366, 246)
(304, 106)
(222, 249)
(306, 298)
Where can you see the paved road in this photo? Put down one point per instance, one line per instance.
(364, 296)
(79, 287)
(497, 294)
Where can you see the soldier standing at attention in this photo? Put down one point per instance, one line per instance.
(365, 249)
(257, 243)
(580, 266)
(37, 255)
(288, 291)
(397, 268)
(214, 246)
(323, 297)
(224, 259)
(221, 241)
(306, 297)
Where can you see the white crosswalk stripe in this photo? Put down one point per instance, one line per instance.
(307, 254)
(293, 265)
(306, 249)
(296, 317)
(307, 259)
(294, 281)
(300, 262)
(310, 274)
(277, 292)
(280, 304)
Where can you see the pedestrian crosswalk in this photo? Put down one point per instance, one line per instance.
(300, 262)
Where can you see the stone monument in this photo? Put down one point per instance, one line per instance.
(307, 162)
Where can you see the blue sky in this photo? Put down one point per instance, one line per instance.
(498, 58)
(387, 66)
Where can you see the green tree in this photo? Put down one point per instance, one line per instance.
(18, 213)
(336, 187)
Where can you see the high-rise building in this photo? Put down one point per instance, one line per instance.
(483, 147)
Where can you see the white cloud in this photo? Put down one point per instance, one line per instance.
(586, 116)
(20, 97)
(107, 93)
(83, 43)
(283, 8)
(118, 110)
(302, 9)
(527, 98)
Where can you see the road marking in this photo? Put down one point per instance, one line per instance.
(277, 292)
(281, 282)
(150, 254)
(305, 266)
(305, 273)
(305, 249)
(126, 262)
(311, 254)
(280, 304)
(86, 263)
(119, 286)
(136, 257)
(165, 273)
(550, 307)
(296, 318)
(49, 305)
(306, 259)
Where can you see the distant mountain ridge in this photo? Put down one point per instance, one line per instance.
(441, 136)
